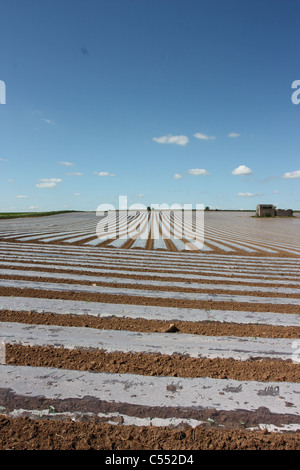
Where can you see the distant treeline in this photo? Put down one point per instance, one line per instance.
(12, 215)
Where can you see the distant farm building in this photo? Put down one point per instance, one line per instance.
(265, 210)
(268, 210)
(284, 212)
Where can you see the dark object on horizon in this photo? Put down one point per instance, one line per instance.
(284, 212)
(268, 210)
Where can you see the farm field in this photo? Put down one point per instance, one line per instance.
(156, 340)
(223, 232)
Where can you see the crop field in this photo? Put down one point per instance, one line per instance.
(222, 232)
(153, 337)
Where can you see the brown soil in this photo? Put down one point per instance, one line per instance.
(177, 365)
(130, 255)
(88, 408)
(25, 433)
(154, 269)
(216, 251)
(152, 277)
(208, 328)
(158, 302)
(149, 287)
(221, 430)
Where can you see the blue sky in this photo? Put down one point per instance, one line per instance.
(158, 100)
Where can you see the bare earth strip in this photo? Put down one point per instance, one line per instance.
(156, 364)
(74, 435)
(67, 293)
(196, 346)
(104, 313)
(128, 394)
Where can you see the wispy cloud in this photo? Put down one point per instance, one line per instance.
(245, 194)
(51, 180)
(33, 207)
(267, 179)
(242, 170)
(103, 173)
(198, 171)
(48, 182)
(48, 121)
(172, 139)
(140, 195)
(66, 163)
(177, 176)
(74, 173)
(20, 196)
(233, 134)
(3, 160)
(76, 194)
(200, 136)
(275, 191)
(291, 175)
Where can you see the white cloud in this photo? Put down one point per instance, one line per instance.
(275, 191)
(45, 185)
(74, 173)
(48, 182)
(48, 121)
(76, 194)
(233, 134)
(51, 180)
(198, 135)
(103, 173)
(292, 174)
(245, 194)
(3, 160)
(198, 171)
(242, 170)
(66, 163)
(22, 197)
(172, 139)
(140, 195)
(33, 207)
(177, 176)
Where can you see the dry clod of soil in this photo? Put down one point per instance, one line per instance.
(172, 328)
